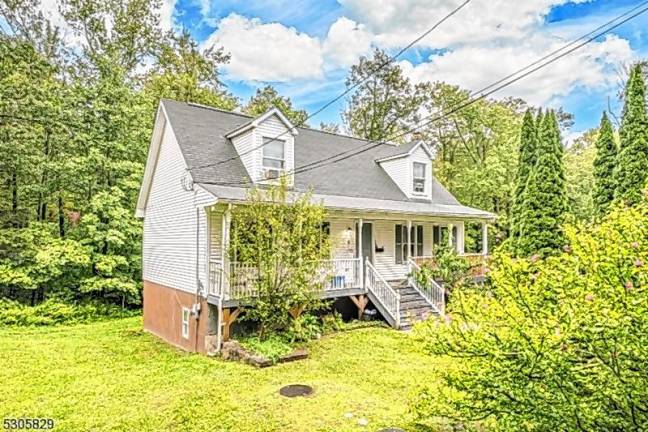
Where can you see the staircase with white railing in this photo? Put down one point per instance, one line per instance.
(431, 291)
(382, 295)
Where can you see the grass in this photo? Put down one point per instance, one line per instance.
(113, 376)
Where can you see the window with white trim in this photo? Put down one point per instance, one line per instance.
(418, 171)
(185, 322)
(274, 153)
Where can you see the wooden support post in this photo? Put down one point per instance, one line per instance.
(229, 317)
(361, 302)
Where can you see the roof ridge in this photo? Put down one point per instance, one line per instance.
(307, 128)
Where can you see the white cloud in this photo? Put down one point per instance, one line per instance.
(397, 22)
(267, 52)
(475, 67)
(346, 41)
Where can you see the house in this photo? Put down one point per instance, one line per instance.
(385, 212)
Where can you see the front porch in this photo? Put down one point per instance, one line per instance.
(372, 259)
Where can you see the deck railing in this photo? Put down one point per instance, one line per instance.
(342, 273)
(384, 293)
(240, 280)
(431, 291)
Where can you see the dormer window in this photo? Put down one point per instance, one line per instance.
(418, 171)
(274, 157)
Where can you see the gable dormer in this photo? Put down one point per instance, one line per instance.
(410, 167)
(266, 146)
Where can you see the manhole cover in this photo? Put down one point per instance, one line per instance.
(295, 390)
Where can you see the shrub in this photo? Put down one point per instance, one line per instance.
(304, 328)
(281, 237)
(54, 311)
(273, 347)
(556, 344)
(447, 266)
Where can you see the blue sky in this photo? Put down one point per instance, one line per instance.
(305, 48)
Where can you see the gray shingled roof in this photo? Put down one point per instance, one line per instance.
(401, 150)
(201, 131)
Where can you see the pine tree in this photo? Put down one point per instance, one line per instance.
(544, 202)
(527, 155)
(631, 169)
(604, 163)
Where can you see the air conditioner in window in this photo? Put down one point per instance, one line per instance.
(271, 173)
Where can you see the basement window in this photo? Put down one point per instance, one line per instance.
(419, 177)
(185, 323)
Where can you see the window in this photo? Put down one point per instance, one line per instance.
(415, 242)
(185, 323)
(401, 244)
(273, 154)
(419, 177)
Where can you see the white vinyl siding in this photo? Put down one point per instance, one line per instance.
(244, 145)
(343, 239)
(273, 127)
(401, 172)
(169, 248)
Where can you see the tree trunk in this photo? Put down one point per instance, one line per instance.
(14, 199)
(61, 216)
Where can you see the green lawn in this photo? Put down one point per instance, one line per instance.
(113, 376)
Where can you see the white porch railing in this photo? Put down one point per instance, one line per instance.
(383, 292)
(342, 273)
(239, 281)
(432, 292)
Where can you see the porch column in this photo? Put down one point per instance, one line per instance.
(484, 238)
(360, 277)
(225, 241)
(409, 239)
(450, 239)
(461, 236)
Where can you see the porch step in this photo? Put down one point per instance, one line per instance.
(413, 306)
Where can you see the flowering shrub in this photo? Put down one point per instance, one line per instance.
(555, 344)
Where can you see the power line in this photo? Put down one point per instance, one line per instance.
(345, 155)
(345, 92)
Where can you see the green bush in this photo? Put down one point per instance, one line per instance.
(555, 344)
(272, 347)
(53, 311)
(304, 328)
(448, 267)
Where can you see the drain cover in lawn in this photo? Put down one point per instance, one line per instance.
(295, 390)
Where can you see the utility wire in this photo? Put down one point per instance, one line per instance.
(345, 92)
(482, 95)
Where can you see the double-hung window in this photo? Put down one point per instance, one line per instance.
(402, 240)
(274, 154)
(418, 171)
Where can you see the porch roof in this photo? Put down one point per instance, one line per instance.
(366, 205)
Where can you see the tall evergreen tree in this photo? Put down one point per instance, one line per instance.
(544, 201)
(527, 156)
(604, 163)
(631, 169)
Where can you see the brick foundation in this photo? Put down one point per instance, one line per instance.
(163, 317)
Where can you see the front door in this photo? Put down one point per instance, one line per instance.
(367, 241)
